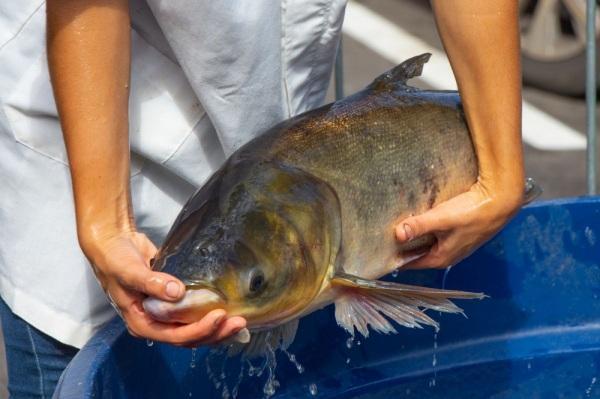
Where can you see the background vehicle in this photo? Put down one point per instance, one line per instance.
(553, 44)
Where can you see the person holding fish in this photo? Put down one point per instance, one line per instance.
(147, 115)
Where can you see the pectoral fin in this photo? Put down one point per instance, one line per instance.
(364, 303)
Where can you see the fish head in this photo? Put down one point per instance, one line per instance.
(258, 248)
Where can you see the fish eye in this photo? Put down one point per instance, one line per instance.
(203, 251)
(257, 281)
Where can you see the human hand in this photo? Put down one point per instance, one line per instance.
(460, 225)
(121, 262)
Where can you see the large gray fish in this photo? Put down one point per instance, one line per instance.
(304, 215)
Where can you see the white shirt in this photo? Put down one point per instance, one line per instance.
(206, 77)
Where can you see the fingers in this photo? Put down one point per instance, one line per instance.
(159, 285)
(413, 227)
(141, 325)
(429, 261)
(211, 329)
(447, 251)
(424, 260)
(227, 330)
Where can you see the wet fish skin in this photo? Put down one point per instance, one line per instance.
(388, 152)
(304, 215)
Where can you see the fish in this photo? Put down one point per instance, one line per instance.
(304, 216)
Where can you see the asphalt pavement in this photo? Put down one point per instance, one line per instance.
(377, 32)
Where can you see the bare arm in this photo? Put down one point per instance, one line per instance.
(482, 42)
(89, 58)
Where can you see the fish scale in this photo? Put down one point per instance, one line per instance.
(401, 152)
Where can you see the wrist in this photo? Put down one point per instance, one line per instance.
(504, 192)
(502, 176)
(95, 234)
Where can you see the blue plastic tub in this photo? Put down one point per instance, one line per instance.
(537, 336)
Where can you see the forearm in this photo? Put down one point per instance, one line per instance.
(482, 42)
(88, 44)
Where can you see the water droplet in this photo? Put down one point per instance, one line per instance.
(189, 395)
(588, 391)
(218, 380)
(348, 360)
(270, 387)
(395, 273)
(294, 361)
(236, 387)
(270, 365)
(149, 342)
(350, 342)
(434, 359)
(591, 237)
(225, 393)
(357, 343)
(528, 365)
(445, 276)
(408, 391)
(193, 361)
(312, 388)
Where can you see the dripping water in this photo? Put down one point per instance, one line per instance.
(213, 354)
(236, 387)
(193, 360)
(433, 381)
(312, 388)
(294, 361)
(350, 342)
(216, 361)
(271, 384)
(588, 391)
(218, 358)
(446, 272)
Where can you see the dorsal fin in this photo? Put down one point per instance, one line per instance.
(409, 69)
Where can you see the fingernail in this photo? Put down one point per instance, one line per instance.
(242, 335)
(172, 289)
(408, 231)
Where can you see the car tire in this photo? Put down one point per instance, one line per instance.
(553, 44)
(565, 77)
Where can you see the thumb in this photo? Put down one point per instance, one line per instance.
(154, 284)
(416, 226)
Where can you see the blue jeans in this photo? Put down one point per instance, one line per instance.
(35, 360)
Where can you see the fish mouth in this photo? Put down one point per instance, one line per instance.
(199, 299)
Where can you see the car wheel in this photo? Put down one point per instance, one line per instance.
(553, 44)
